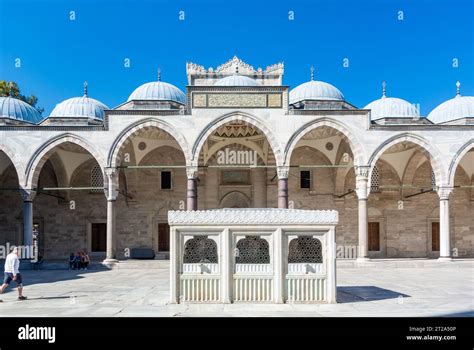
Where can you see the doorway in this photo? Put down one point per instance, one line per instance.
(163, 237)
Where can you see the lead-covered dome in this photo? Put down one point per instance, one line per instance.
(391, 107)
(315, 90)
(456, 108)
(18, 110)
(236, 80)
(158, 91)
(79, 107)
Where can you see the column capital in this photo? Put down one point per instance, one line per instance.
(192, 172)
(362, 172)
(111, 191)
(27, 194)
(283, 172)
(111, 172)
(444, 192)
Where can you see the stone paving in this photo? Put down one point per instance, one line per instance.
(433, 290)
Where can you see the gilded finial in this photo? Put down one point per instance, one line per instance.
(85, 88)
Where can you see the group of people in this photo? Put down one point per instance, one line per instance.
(79, 261)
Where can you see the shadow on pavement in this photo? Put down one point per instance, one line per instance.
(352, 294)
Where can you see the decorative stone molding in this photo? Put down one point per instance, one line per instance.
(444, 192)
(264, 216)
(283, 172)
(229, 68)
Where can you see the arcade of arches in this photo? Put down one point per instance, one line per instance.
(71, 213)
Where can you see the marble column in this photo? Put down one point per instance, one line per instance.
(444, 226)
(331, 266)
(362, 179)
(28, 196)
(283, 172)
(111, 193)
(279, 273)
(192, 190)
(228, 257)
(175, 251)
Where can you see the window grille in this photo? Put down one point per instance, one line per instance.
(97, 179)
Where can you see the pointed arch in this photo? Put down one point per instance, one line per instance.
(41, 155)
(457, 159)
(436, 159)
(18, 165)
(237, 116)
(113, 158)
(354, 143)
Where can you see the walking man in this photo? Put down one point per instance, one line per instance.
(12, 272)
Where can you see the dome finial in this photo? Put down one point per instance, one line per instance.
(159, 74)
(458, 88)
(85, 88)
(384, 88)
(312, 73)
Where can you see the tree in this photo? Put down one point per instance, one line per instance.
(11, 89)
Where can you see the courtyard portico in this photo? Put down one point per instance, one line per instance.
(238, 138)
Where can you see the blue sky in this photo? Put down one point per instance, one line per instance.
(414, 55)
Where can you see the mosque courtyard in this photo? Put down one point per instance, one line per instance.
(395, 288)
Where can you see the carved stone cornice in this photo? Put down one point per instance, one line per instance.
(264, 216)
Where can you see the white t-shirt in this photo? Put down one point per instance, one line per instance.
(12, 264)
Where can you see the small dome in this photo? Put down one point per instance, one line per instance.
(315, 90)
(392, 107)
(158, 91)
(79, 107)
(456, 108)
(13, 108)
(236, 80)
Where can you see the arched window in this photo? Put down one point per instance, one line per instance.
(375, 180)
(305, 249)
(252, 250)
(97, 179)
(200, 249)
